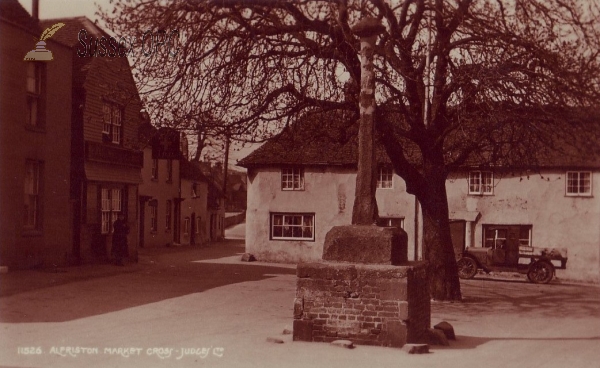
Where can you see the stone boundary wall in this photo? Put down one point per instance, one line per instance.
(234, 220)
(380, 305)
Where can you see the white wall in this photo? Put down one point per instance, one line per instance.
(540, 201)
(557, 220)
(329, 193)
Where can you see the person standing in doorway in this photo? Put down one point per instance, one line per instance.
(119, 241)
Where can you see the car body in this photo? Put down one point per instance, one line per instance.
(540, 268)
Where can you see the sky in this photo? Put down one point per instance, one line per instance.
(50, 9)
(66, 8)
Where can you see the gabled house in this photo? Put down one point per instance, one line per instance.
(203, 205)
(35, 145)
(106, 157)
(159, 193)
(302, 182)
(195, 216)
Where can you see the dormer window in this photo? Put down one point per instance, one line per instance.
(292, 178)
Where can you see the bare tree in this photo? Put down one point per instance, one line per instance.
(458, 81)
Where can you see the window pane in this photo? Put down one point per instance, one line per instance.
(116, 200)
(487, 182)
(106, 119)
(585, 183)
(277, 231)
(34, 78)
(524, 235)
(32, 110)
(106, 224)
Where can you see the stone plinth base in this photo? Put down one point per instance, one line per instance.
(380, 305)
(368, 244)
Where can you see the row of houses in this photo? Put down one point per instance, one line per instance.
(77, 149)
(301, 183)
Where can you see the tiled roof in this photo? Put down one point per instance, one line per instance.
(316, 139)
(329, 140)
(68, 35)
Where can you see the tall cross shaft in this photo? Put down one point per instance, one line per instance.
(365, 210)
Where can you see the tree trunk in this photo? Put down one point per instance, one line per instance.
(437, 242)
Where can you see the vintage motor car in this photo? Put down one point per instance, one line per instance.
(500, 258)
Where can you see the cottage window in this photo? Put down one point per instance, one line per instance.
(579, 183)
(384, 179)
(197, 225)
(292, 178)
(169, 170)
(154, 169)
(168, 215)
(112, 122)
(497, 236)
(111, 207)
(391, 222)
(32, 195)
(35, 94)
(481, 183)
(293, 226)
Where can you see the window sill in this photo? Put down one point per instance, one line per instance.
(579, 196)
(481, 194)
(292, 239)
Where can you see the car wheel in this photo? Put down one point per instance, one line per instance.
(541, 272)
(467, 268)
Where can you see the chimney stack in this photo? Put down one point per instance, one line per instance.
(35, 9)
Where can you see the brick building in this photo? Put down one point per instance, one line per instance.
(35, 137)
(106, 157)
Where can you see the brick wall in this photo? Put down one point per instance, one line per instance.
(367, 304)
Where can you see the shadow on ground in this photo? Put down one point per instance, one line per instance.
(472, 342)
(484, 296)
(160, 274)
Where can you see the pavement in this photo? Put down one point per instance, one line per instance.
(203, 307)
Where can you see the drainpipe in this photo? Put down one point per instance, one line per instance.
(35, 9)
